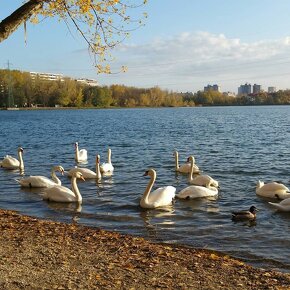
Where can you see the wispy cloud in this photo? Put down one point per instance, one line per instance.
(190, 60)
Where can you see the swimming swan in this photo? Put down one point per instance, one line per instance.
(42, 181)
(88, 173)
(196, 191)
(60, 193)
(162, 196)
(80, 155)
(272, 190)
(284, 205)
(184, 168)
(107, 167)
(10, 162)
(201, 180)
(245, 214)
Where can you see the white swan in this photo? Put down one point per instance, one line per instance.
(60, 193)
(10, 162)
(272, 190)
(80, 155)
(88, 173)
(284, 205)
(196, 191)
(201, 180)
(184, 168)
(107, 167)
(42, 181)
(162, 196)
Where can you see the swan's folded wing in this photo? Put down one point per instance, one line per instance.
(162, 195)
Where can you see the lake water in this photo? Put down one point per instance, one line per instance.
(235, 145)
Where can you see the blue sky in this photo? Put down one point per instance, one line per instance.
(184, 46)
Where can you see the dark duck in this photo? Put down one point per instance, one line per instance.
(245, 214)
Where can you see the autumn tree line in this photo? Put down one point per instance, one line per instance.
(20, 89)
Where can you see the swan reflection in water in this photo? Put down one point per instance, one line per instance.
(207, 204)
(73, 208)
(155, 219)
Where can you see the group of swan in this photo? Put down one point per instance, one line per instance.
(54, 191)
(203, 186)
(200, 185)
(106, 168)
(275, 190)
(186, 167)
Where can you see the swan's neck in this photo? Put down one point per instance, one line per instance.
(21, 163)
(77, 153)
(176, 161)
(98, 171)
(55, 178)
(191, 170)
(75, 189)
(148, 188)
(109, 156)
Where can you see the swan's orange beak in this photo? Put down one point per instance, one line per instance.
(82, 178)
(146, 173)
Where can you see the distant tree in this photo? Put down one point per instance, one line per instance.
(101, 23)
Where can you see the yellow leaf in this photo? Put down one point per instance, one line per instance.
(214, 257)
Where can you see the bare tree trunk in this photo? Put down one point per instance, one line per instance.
(12, 22)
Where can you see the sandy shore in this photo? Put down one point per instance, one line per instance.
(39, 254)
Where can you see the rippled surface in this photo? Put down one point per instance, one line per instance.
(235, 145)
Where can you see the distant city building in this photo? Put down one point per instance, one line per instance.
(212, 88)
(229, 94)
(47, 76)
(60, 77)
(245, 89)
(272, 90)
(89, 82)
(257, 89)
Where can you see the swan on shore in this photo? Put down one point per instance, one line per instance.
(162, 196)
(10, 162)
(88, 173)
(107, 167)
(186, 167)
(42, 181)
(272, 190)
(61, 193)
(80, 155)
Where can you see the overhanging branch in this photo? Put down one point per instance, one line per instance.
(13, 21)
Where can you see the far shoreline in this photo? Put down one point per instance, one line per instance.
(112, 108)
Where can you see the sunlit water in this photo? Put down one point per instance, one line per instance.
(235, 145)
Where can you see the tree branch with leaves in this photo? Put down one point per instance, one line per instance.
(103, 24)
